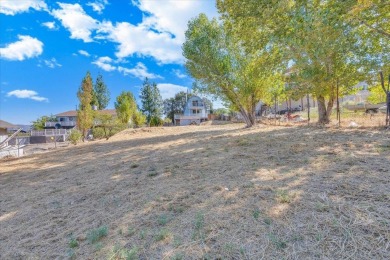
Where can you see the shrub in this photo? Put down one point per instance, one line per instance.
(139, 119)
(75, 136)
(156, 121)
(95, 235)
(98, 133)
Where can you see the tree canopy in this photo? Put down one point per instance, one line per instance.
(152, 105)
(85, 113)
(125, 106)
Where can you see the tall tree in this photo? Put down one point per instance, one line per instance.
(151, 100)
(223, 67)
(125, 106)
(85, 112)
(101, 92)
(325, 49)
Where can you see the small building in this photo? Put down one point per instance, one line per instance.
(5, 127)
(68, 119)
(195, 112)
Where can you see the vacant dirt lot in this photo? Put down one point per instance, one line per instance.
(212, 192)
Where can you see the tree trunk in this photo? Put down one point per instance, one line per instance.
(323, 113)
(247, 117)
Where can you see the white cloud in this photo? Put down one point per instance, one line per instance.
(139, 71)
(104, 63)
(12, 7)
(168, 90)
(179, 74)
(84, 53)
(26, 47)
(52, 63)
(74, 18)
(50, 25)
(161, 32)
(98, 6)
(142, 41)
(24, 93)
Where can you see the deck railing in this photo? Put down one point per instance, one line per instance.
(50, 132)
(62, 123)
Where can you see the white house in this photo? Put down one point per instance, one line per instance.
(195, 112)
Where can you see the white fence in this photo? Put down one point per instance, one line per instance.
(50, 132)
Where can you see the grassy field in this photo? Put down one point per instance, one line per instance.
(203, 192)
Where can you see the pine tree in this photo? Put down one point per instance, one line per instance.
(151, 100)
(101, 93)
(85, 112)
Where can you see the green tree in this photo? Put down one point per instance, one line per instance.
(101, 93)
(39, 124)
(151, 100)
(125, 106)
(85, 113)
(377, 95)
(325, 49)
(139, 119)
(223, 67)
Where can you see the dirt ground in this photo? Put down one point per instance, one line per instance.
(202, 192)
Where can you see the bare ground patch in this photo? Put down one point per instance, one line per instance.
(214, 191)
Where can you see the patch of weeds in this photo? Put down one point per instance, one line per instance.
(177, 256)
(98, 246)
(71, 253)
(163, 220)
(321, 207)
(118, 252)
(142, 234)
(278, 243)
(130, 231)
(243, 253)
(162, 235)
(152, 173)
(176, 209)
(383, 147)
(229, 248)
(95, 235)
(134, 165)
(176, 241)
(242, 142)
(73, 243)
(120, 232)
(249, 185)
(267, 221)
(283, 197)
(256, 214)
(198, 226)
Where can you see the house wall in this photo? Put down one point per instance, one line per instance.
(199, 107)
(184, 122)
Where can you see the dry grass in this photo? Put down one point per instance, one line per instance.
(212, 192)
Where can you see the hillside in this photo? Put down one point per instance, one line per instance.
(214, 191)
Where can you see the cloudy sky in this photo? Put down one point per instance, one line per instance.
(46, 48)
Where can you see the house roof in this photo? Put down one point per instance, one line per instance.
(4, 124)
(74, 112)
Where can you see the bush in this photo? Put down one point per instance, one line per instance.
(98, 133)
(101, 132)
(75, 136)
(139, 119)
(156, 121)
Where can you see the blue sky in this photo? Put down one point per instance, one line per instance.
(46, 48)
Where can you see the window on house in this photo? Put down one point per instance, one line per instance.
(62, 119)
(195, 103)
(194, 111)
